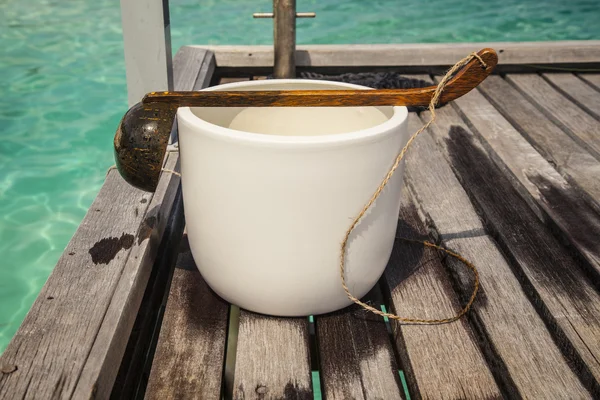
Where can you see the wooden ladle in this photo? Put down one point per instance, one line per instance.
(143, 133)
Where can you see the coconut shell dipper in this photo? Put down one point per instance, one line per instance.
(143, 133)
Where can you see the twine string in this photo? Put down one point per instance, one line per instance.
(432, 104)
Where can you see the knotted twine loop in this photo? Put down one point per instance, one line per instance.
(432, 104)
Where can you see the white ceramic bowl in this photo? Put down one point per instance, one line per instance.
(266, 213)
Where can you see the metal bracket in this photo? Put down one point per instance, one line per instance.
(298, 15)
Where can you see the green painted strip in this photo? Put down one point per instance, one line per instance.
(404, 385)
(386, 319)
(316, 383)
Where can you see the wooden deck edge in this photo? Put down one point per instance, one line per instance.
(96, 303)
(101, 367)
(52, 345)
(411, 55)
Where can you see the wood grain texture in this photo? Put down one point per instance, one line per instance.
(559, 109)
(272, 359)
(552, 279)
(356, 356)
(567, 156)
(418, 54)
(105, 357)
(523, 356)
(546, 191)
(187, 66)
(465, 80)
(440, 361)
(592, 79)
(81, 321)
(193, 68)
(577, 91)
(52, 346)
(181, 346)
(136, 360)
(188, 362)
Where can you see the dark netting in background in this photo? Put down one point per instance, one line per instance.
(375, 80)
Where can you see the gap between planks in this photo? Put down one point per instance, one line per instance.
(536, 247)
(548, 194)
(440, 361)
(577, 90)
(356, 356)
(527, 360)
(571, 159)
(572, 119)
(188, 362)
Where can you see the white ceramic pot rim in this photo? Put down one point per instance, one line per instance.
(399, 115)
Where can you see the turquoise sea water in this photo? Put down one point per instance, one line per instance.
(62, 86)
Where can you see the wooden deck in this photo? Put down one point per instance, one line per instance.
(509, 177)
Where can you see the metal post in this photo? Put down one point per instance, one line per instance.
(284, 36)
(147, 42)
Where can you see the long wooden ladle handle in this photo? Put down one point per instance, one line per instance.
(143, 134)
(466, 79)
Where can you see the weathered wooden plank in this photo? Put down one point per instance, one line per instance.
(440, 361)
(53, 344)
(109, 346)
(553, 280)
(102, 365)
(356, 354)
(272, 359)
(189, 359)
(562, 111)
(193, 68)
(566, 155)
(524, 358)
(418, 54)
(592, 79)
(545, 190)
(577, 91)
(109, 259)
(178, 352)
(135, 363)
